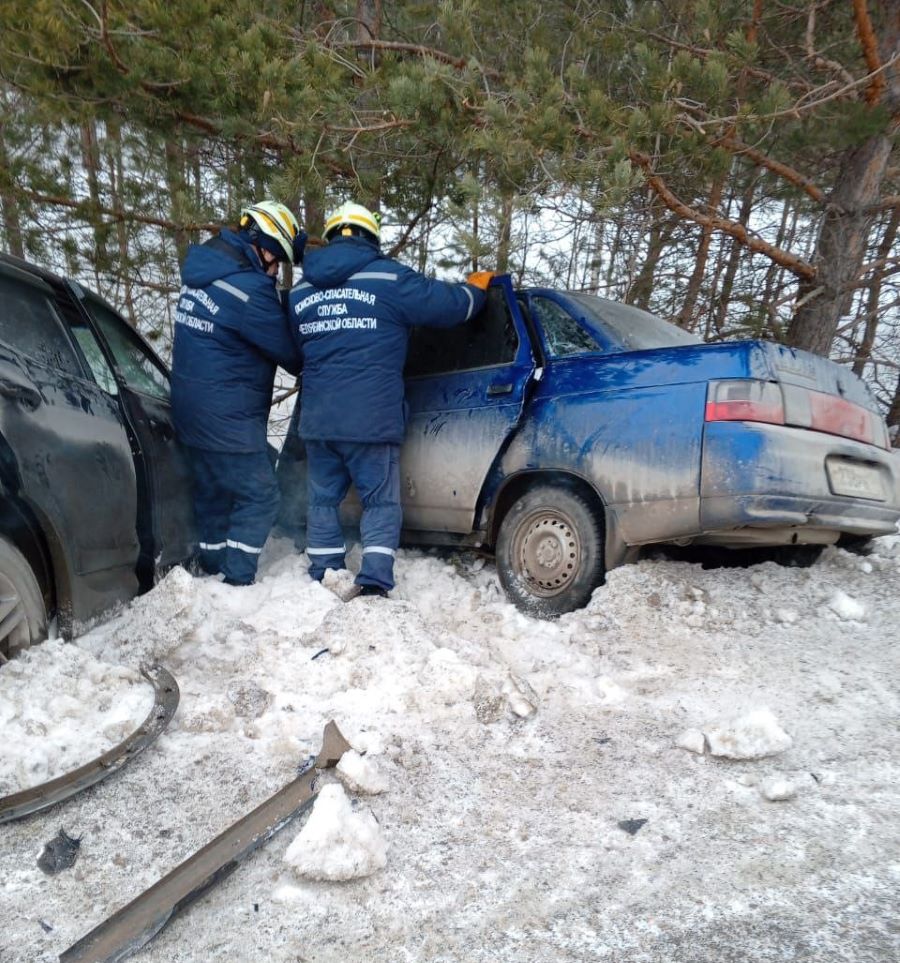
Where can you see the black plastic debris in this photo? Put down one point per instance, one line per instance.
(45, 926)
(59, 854)
(320, 652)
(631, 826)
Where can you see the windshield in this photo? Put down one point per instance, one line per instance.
(631, 327)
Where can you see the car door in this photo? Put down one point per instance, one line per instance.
(466, 389)
(165, 517)
(64, 448)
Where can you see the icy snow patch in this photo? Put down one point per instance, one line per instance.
(778, 788)
(59, 708)
(846, 608)
(693, 740)
(752, 736)
(361, 774)
(337, 842)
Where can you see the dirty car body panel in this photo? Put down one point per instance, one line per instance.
(72, 465)
(667, 439)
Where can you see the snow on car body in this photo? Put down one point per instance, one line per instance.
(562, 430)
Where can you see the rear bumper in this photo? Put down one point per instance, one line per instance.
(771, 476)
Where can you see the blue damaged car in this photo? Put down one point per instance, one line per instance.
(563, 431)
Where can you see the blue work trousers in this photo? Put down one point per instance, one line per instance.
(375, 471)
(235, 505)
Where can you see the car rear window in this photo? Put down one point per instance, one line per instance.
(634, 329)
(30, 326)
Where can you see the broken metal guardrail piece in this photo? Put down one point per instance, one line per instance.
(133, 926)
(166, 696)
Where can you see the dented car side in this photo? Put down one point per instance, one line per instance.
(564, 432)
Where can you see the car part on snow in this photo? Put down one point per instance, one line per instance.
(50, 793)
(631, 826)
(59, 854)
(133, 926)
(550, 551)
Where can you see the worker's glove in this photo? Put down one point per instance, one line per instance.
(480, 279)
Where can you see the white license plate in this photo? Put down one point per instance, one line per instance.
(852, 478)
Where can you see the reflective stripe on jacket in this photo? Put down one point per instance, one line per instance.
(230, 334)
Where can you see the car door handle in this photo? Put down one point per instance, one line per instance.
(27, 396)
(500, 389)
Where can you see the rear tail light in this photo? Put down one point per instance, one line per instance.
(774, 404)
(744, 401)
(833, 414)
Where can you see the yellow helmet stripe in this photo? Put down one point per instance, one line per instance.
(272, 223)
(361, 221)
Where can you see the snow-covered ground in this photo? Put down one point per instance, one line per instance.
(702, 765)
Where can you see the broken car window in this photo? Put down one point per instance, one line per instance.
(563, 334)
(137, 366)
(30, 326)
(489, 339)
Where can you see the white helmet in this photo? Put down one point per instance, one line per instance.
(352, 215)
(275, 228)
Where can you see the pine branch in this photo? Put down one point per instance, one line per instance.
(790, 262)
(869, 44)
(804, 106)
(792, 176)
(117, 216)
(460, 63)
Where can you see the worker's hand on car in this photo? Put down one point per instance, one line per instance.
(480, 279)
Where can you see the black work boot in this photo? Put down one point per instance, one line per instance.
(375, 591)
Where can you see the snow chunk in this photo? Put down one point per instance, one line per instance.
(523, 700)
(778, 789)
(693, 740)
(752, 736)
(337, 842)
(846, 608)
(361, 773)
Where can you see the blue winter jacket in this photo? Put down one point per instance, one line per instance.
(230, 334)
(351, 316)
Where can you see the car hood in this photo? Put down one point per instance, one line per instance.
(334, 264)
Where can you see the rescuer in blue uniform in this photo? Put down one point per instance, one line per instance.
(351, 316)
(231, 333)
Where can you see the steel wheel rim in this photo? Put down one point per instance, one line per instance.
(13, 623)
(547, 552)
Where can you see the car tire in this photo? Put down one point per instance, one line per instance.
(23, 617)
(550, 551)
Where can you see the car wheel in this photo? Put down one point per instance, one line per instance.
(550, 551)
(23, 618)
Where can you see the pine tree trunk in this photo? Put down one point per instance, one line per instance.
(613, 254)
(661, 230)
(893, 416)
(12, 224)
(90, 158)
(775, 274)
(505, 238)
(176, 183)
(840, 247)
(116, 185)
(864, 354)
(597, 256)
(724, 297)
(685, 317)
